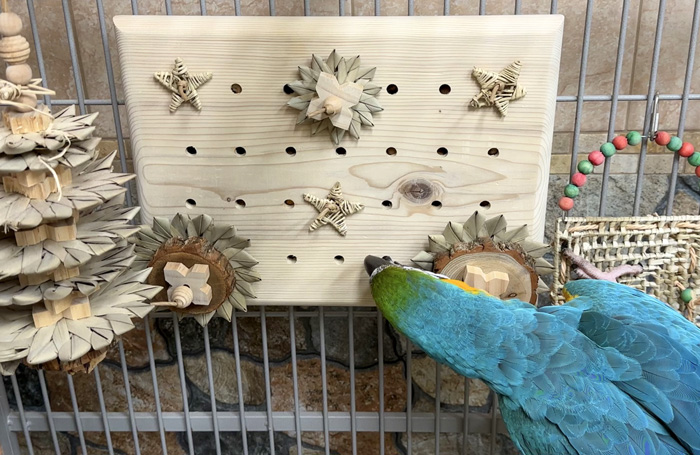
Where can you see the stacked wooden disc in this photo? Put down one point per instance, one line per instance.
(65, 288)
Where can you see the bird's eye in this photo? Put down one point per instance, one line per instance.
(388, 258)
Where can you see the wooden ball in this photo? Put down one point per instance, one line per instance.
(14, 49)
(28, 99)
(10, 24)
(19, 74)
(566, 203)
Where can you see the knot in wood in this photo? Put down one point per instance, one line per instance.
(417, 190)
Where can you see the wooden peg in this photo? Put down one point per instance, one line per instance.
(30, 178)
(37, 184)
(63, 273)
(43, 317)
(58, 306)
(26, 122)
(32, 280)
(38, 191)
(31, 236)
(78, 309)
(62, 231)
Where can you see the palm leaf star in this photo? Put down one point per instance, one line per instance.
(498, 89)
(183, 85)
(332, 210)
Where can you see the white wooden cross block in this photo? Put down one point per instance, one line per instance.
(334, 100)
(495, 282)
(179, 276)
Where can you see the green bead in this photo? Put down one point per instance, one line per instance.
(694, 159)
(608, 149)
(571, 190)
(634, 138)
(687, 295)
(585, 166)
(675, 144)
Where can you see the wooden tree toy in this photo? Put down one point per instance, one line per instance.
(486, 255)
(66, 290)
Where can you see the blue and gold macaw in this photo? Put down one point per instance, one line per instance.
(614, 371)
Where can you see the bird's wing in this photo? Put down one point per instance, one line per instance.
(614, 300)
(669, 385)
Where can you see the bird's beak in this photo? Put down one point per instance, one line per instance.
(373, 262)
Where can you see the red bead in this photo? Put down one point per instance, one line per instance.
(697, 171)
(596, 158)
(578, 179)
(686, 150)
(662, 138)
(620, 142)
(566, 203)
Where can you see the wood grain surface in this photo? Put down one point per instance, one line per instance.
(251, 157)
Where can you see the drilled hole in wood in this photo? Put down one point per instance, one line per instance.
(442, 151)
(341, 151)
(287, 89)
(445, 89)
(339, 259)
(240, 203)
(236, 88)
(292, 259)
(392, 89)
(493, 151)
(391, 151)
(190, 203)
(191, 150)
(291, 151)
(289, 203)
(387, 204)
(437, 204)
(485, 204)
(240, 151)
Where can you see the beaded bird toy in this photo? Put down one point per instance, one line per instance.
(607, 150)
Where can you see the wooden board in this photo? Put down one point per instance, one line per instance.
(417, 55)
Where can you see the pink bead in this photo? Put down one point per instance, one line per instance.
(566, 203)
(697, 171)
(596, 158)
(620, 142)
(578, 179)
(686, 150)
(662, 138)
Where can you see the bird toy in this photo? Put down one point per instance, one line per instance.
(608, 149)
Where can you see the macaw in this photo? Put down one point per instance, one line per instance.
(614, 371)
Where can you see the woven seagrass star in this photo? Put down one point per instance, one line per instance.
(498, 89)
(183, 85)
(333, 209)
